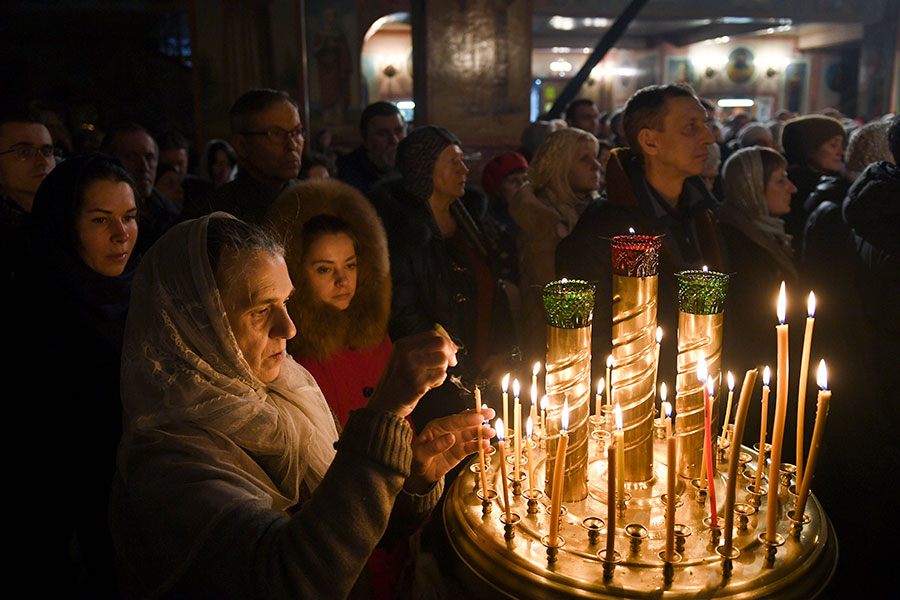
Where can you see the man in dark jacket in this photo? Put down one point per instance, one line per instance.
(383, 128)
(653, 187)
(267, 137)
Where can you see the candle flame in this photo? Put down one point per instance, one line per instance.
(709, 385)
(618, 417)
(667, 406)
(822, 375)
(705, 269)
(564, 280)
(609, 361)
(663, 392)
(659, 335)
(544, 403)
(600, 385)
(516, 388)
(505, 383)
(499, 428)
(702, 373)
(811, 305)
(730, 382)
(564, 419)
(782, 304)
(528, 428)
(766, 375)
(536, 368)
(631, 230)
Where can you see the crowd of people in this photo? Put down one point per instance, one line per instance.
(261, 348)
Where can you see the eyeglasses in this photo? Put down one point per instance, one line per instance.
(277, 135)
(25, 152)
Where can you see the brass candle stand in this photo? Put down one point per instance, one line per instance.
(518, 560)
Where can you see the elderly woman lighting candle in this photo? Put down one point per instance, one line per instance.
(232, 478)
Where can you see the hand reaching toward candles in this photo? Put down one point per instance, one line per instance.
(417, 364)
(443, 443)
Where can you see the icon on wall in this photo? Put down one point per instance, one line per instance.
(740, 67)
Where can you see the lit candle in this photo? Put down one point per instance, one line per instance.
(559, 468)
(804, 375)
(609, 364)
(529, 428)
(517, 428)
(534, 391)
(499, 426)
(737, 438)
(504, 385)
(761, 459)
(663, 394)
(780, 412)
(703, 375)
(598, 398)
(481, 462)
(728, 405)
(620, 455)
(611, 484)
(670, 484)
(534, 373)
(656, 361)
(824, 402)
(544, 403)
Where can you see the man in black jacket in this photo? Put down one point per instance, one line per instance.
(383, 128)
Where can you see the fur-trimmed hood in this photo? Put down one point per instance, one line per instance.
(321, 329)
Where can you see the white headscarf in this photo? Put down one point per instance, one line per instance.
(195, 412)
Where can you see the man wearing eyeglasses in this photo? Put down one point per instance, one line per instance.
(267, 137)
(26, 156)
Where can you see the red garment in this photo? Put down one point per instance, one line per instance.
(347, 378)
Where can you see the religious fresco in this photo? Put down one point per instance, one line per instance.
(796, 86)
(680, 69)
(333, 54)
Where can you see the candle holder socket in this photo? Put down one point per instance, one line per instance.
(723, 446)
(601, 436)
(594, 526)
(700, 491)
(511, 460)
(595, 423)
(509, 527)
(563, 511)
(609, 563)
(743, 512)
(475, 467)
(715, 531)
(622, 503)
(664, 499)
(787, 472)
(771, 546)
(669, 566)
(533, 495)
(728, 556)
(636, 533)
(682, 533)
(797, 524)
(659, 428)
(487, 500)
(754, 497)
(743, 459)
(553, 547)
(517, 483)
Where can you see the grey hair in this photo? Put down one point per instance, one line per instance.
(224, 233)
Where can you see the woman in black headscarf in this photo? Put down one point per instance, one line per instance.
(83, 229)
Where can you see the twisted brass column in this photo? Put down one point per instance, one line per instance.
(701, 303)
(569, 308)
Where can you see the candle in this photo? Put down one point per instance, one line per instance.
(620, 455)
(609, 364)
(731, 490)
(544, 403)
(481, 462)
(504, 385)
(804, 375)
(598, 398)
(761, 459)
(499, 426)
(529, 426)
(824, 402)
(534, 390)
(780, 412)
(558, 469)
(656, 361)
(534, 373)
(703, 375)
(728, 405)
(517, 429)
(663, 394)
(611, 483)
(670, 484)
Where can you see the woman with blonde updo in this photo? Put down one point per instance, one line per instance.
(563, 178)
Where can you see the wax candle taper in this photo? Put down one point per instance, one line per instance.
(534, 390)
(559, 468)
(529, 429)
(659, 336)
(781, 392)
(731, 489)
(663, 394)
(804, 376)
(670, 484)
(544, 403)
(611, 484)
(504, 386)
(764, 417)
(703, 375)
(728, 405)
(499, 426)
(609, 364)
(598, 398)
(620, 455)
(481, 461)
(824, 403)
(517, 429)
